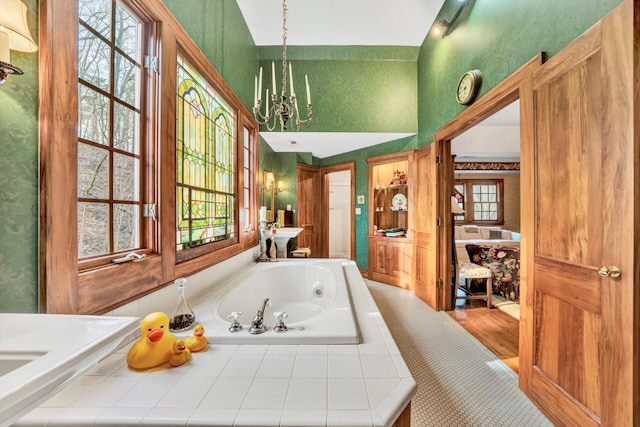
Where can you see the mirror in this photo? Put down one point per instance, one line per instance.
(268, 182)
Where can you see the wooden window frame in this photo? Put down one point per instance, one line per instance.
(249, 228)
(468, 200)
(147, 158)
(64, 288)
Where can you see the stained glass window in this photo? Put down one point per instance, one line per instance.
(205, 193)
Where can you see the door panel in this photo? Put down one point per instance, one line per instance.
(579, 284)
(401, 263)
(425, 237)
(583, 357)
(308, 193)
(380, 257)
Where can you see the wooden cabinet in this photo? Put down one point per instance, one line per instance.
(390, 197)
(391, 261)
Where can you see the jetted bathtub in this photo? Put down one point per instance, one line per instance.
(314, 294)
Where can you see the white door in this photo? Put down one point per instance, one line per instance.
(340, 214)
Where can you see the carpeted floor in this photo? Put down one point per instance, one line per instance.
(460, 382)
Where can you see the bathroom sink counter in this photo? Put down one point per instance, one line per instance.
(366, 384)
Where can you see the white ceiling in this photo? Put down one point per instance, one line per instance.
(496, 138)
(341, 22)
(326, 144)
(352, 23)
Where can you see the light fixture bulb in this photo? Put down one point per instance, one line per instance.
(441, 27)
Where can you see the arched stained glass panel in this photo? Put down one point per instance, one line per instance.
(205, 161)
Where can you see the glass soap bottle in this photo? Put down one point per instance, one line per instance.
(182, 316)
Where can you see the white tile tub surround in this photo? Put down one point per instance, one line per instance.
(361, 385)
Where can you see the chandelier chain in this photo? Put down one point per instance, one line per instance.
(285, 32)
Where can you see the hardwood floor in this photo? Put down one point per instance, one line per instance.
(495, 329)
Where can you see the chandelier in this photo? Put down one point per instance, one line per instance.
(283, 108)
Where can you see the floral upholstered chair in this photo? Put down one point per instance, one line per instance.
(504, 263)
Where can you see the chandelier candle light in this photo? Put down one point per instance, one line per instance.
(284, 109)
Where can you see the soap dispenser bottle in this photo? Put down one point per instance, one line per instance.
(182, 316)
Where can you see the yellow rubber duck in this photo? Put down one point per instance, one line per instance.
(198, 341)
(181, 354)
(155, 345)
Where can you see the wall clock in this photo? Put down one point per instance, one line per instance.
(468, 87)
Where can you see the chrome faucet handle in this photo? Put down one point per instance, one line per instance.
(235, 325)
(280, 316)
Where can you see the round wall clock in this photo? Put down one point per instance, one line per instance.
(468, 87)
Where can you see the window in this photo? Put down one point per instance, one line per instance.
(485, 202)
(248, 178)
(112, 173)
(143, 147)
(205, 148)
(482, 201)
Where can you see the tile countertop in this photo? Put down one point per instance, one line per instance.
(367, 384)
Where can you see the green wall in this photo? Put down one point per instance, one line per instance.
(496, 38)
(19, 180)
(350, 93)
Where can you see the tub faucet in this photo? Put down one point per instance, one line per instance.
(257, 324)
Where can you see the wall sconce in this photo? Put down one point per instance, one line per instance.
(443, 26)
(280, 187)
(14, 35)
(269, 182)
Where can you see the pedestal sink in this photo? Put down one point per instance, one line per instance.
(282, 239)
(42, 353)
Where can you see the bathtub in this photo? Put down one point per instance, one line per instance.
(314, 294)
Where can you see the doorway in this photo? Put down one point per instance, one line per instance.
(338, 210)
(322, 228)
(339, 214)
(486, 179)
(503, 95)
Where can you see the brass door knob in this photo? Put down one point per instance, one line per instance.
(612, 271)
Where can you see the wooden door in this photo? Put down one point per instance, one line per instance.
(425, 235)
(582, 327)
(308, 194)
